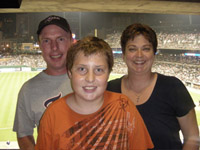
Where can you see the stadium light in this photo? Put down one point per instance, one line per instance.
(192, 54)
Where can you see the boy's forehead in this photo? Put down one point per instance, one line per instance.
(86, 54)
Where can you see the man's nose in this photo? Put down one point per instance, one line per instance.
(54, 45)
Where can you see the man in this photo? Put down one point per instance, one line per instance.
(55, 37)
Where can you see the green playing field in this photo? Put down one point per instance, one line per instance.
(11, 83)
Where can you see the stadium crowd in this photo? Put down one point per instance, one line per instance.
(179, 41)
(34, 61)
(187, 41)
(187, 69)
(184, 67)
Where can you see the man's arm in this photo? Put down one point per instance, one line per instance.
(188, 124)
(26, 142)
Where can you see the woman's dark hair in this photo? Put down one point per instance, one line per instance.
(136, 29)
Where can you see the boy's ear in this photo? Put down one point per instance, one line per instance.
(69, 74)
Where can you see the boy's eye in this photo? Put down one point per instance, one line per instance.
(82, 70)
(99, 71)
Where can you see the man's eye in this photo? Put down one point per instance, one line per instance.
(45, 41)
(61, 39)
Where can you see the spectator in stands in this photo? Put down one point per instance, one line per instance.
(163, 101)
(90, 117)
(166, 40)
(55, 37)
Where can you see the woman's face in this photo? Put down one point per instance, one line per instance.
(139, 55)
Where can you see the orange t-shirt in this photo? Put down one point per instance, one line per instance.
(116, 125)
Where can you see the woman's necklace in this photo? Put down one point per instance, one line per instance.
(138, 96)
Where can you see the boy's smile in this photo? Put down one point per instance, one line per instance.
(89, 76)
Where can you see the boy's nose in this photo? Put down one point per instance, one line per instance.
(90, 76)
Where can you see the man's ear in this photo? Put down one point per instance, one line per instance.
(38, 42)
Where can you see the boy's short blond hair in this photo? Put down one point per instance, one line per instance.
(90, 45)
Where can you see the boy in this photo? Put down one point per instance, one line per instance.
(90, 117)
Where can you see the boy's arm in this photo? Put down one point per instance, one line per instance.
(143, 139)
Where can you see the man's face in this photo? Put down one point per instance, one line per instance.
(54, 43)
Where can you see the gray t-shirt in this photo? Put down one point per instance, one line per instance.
(35, 95)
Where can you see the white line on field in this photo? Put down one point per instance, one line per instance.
(5, 128)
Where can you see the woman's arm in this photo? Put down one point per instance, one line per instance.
(189, 128)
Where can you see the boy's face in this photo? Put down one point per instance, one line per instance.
(89, 75)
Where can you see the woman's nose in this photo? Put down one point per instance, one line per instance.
(139, 53)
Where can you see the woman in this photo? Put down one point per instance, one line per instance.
(163, 101)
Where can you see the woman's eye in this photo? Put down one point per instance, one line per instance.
(147, 49)
(132, 49)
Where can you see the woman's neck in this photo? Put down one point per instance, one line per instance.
(138, 83)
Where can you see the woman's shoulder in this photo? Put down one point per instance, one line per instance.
(116, 80)
(168, 79)
(111, 94)
(118, 97)
(115, 85)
